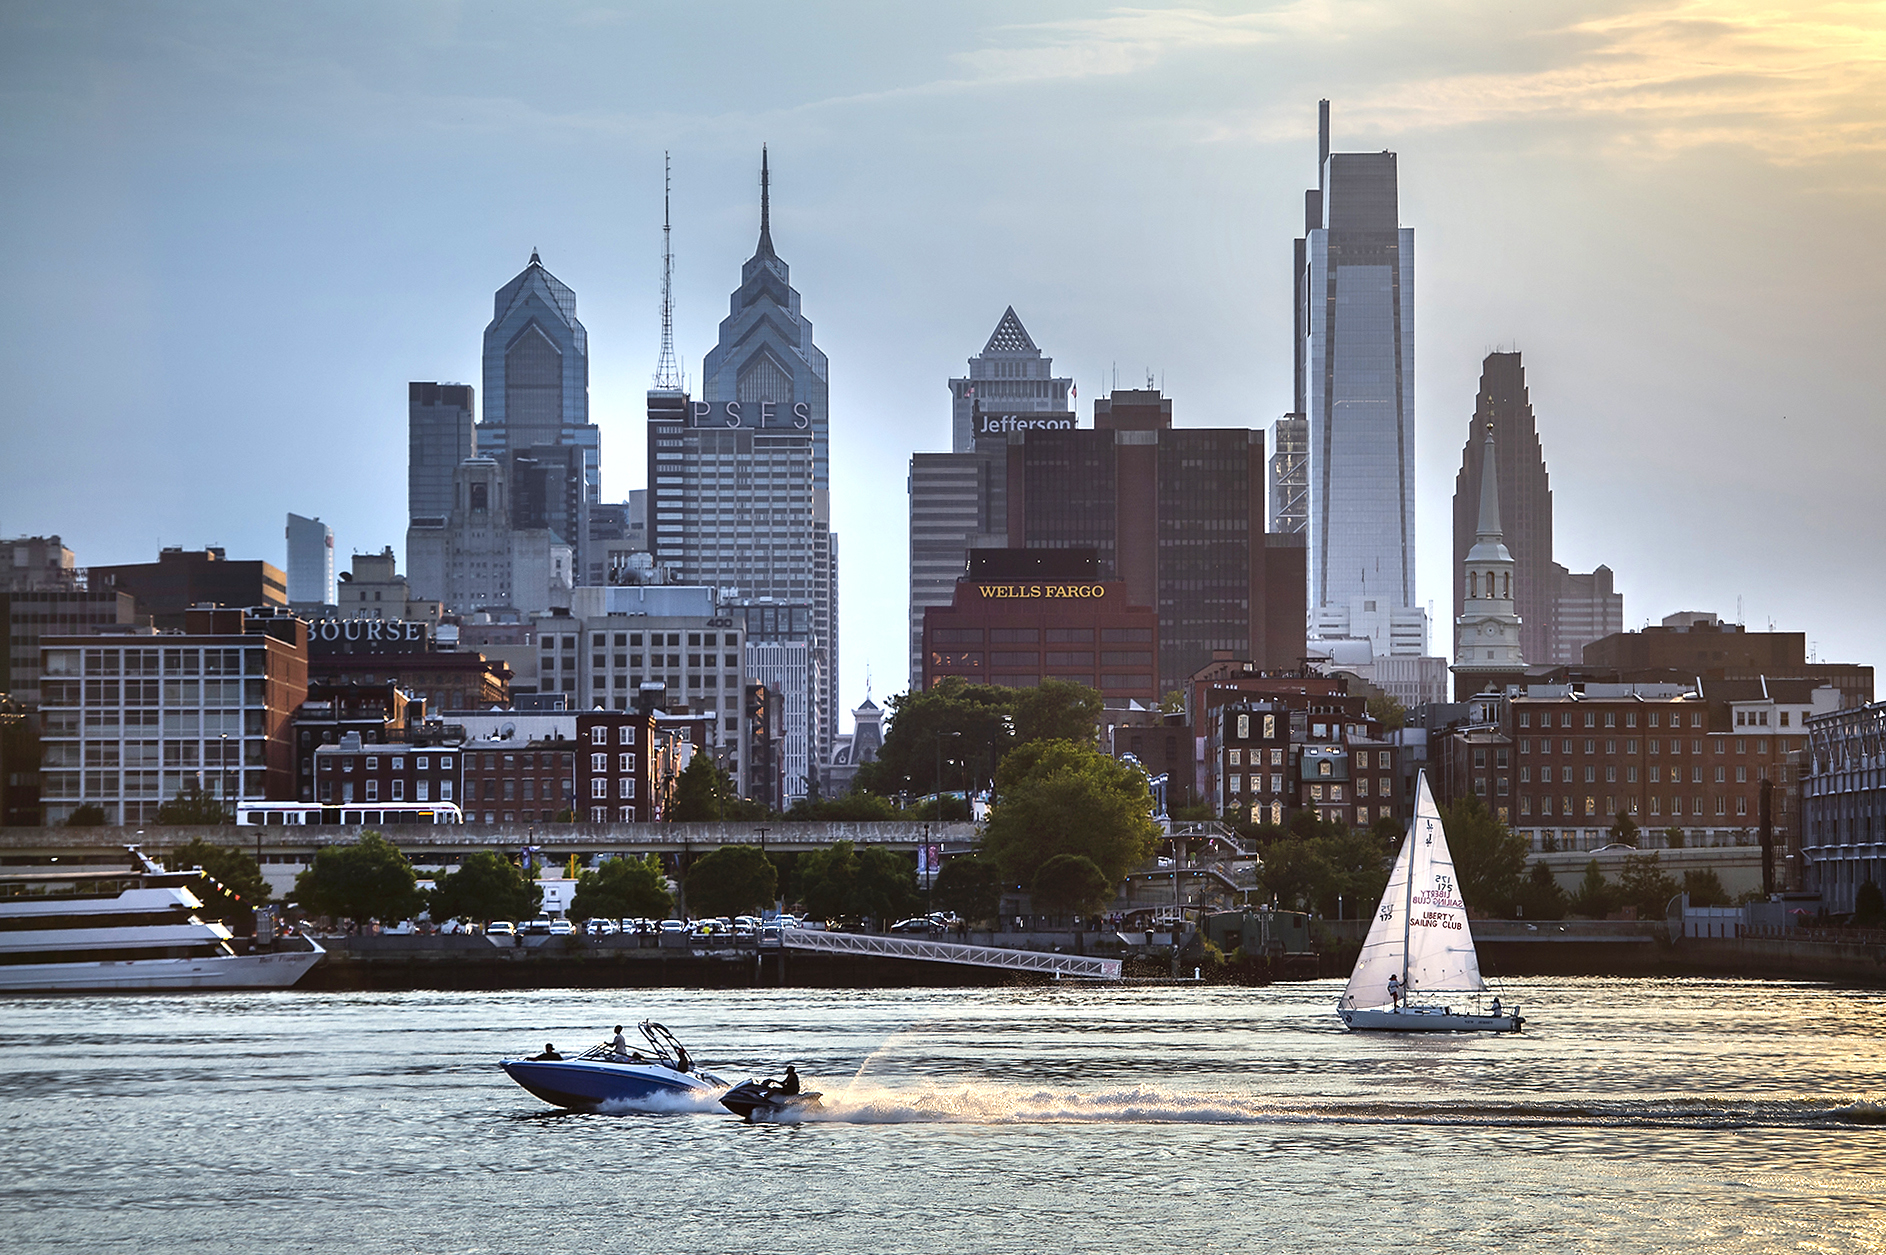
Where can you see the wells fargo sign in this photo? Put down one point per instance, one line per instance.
(1042, 592)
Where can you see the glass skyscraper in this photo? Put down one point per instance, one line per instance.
(1355, 386)
(536, 376)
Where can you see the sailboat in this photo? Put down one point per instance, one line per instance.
(1419, 950)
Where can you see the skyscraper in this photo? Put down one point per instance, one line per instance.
(738, 482)
(1178, 514)
(441, 432)
(1355, 385)
(310, 562)
(1009, 377)
(1548, 634)
(536, 373)
(958, 500)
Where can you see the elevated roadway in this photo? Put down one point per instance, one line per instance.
(925, 950)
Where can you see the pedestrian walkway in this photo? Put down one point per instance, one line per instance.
(1070, 965)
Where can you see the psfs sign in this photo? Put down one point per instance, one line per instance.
(750, 415)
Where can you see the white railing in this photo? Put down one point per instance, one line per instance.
(951, 952)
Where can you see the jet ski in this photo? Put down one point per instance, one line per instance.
(763, 1100)
(599, 1075)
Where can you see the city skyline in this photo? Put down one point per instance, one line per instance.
(1577, 179)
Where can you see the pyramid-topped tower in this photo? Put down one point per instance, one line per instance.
(1010, 377)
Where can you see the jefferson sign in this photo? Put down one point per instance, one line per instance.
(997, 424)
(1042, 592)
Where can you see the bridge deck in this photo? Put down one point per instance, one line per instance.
(950, 952)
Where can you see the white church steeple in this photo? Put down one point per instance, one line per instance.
(1486, 636)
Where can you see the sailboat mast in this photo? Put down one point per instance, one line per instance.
(1407, 906)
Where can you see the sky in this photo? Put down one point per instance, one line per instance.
(236, 231)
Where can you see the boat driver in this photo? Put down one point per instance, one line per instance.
(790, 1085)
(619, 1045)
(1394, 991)
(550, 1052)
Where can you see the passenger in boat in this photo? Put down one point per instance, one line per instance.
(1394, 991)
(682, 1062)
(550, 1052)
(619, 1044)
(1496, 1006)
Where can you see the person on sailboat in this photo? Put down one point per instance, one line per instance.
(1394, 991)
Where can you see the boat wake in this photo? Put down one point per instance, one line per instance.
(985, 1104)
(671, 1103)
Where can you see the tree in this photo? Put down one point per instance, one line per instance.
(193, 806)
(485, 887)
(1295, 871)
(1057, 710)
(929, 728)
(842, 882)
(1705, 888)
(1489, 857)
(243, 886)
(1673, 838)
(1391, 714)
(1058, 797)
(1869, 906)
(1645, 885)
(365, 881)
(699, 796)
(852, 807)
(1540, 896)
(86, 815)
(1595, 895)
(969, 886)
(1623, 830)
(1070, 884)
(623, 888)
(733, 880)
(1357, 860)
(1173, 702)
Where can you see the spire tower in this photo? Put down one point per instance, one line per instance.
(766, 207)
(1487, 652)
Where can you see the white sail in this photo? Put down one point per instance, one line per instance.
(1420, 933)
(1383, 949)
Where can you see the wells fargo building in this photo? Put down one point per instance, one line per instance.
(1022, 616)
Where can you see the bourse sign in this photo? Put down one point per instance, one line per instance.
(369, 636)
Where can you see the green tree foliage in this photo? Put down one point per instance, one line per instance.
(1673, 838)
(1057, 710)
(1623, 830)
(365, 881)
(1059, 797)
(193, 806)
(1645, 885)
(1869, 906)
(969, 886)
(623, 888)
(943, 809)
(1327, 867)
(1389, 712)
(244, 887)
(1070, 884)
(1540, 896)
(700, 794)
(1489, 857)
(1705, 888)
(86, 815)
(842, 882)
(919, 733)
(733, 880)
(1595, 897)
(485, 887)
(1173, 702)
(853, 807)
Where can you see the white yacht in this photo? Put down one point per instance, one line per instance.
(85, 929)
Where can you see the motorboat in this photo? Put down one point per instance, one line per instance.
(602, 1075)
(1419, 954)
(764, 1100)
(134, 928)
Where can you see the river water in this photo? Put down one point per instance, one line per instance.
(1632, 1115)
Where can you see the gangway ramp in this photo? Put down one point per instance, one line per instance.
(927, 951)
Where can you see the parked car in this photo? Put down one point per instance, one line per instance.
(500, 928)
(673, 926)
(561, 928)
(539, 927)
(601, 928)
(918, 924)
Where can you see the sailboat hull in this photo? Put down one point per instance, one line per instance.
(1426, 1020)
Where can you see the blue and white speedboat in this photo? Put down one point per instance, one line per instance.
(602, 1076)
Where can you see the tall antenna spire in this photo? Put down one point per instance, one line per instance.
(667, 375)
(766, 206)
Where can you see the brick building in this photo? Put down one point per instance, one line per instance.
(1022, 616)
(178, 580)
(358, 772)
